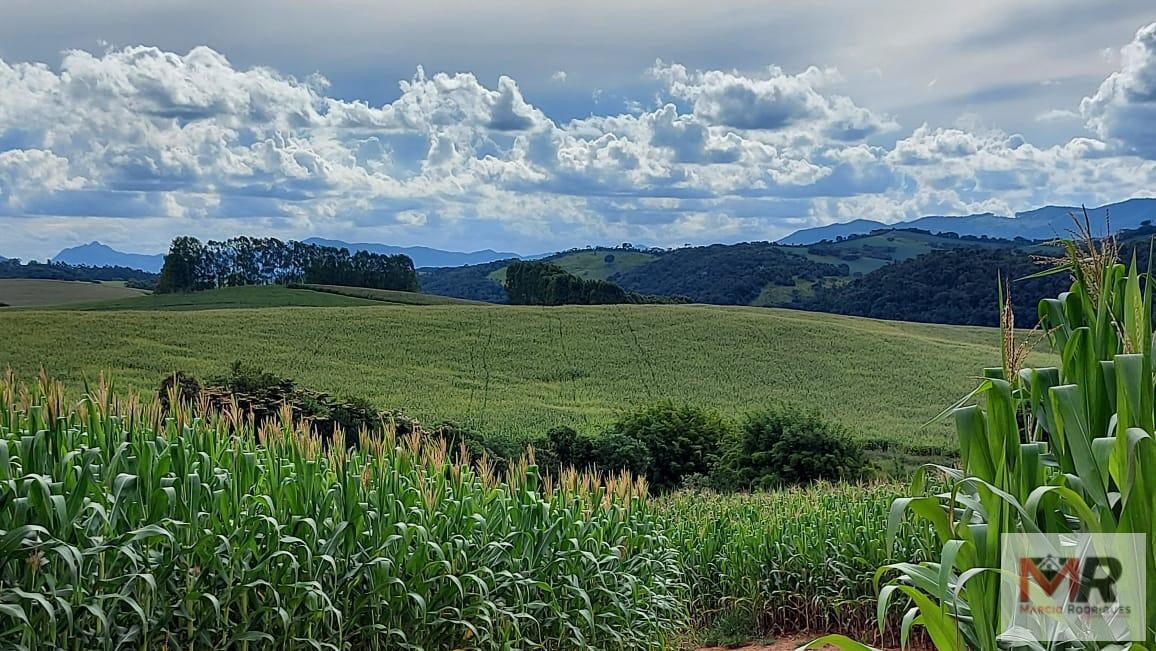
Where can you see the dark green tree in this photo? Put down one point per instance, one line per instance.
(182, 270)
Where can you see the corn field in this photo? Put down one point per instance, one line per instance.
(515, 372)
(794, 560)
(1054, 450)
(120, 527)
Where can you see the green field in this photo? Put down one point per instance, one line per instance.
(22, 292)
(520, 370)
(256, 296)
(390, 295)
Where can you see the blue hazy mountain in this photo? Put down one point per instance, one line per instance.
(95, 254)
(422, 256)
(1040, 224)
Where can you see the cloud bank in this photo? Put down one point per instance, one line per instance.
(135, 145)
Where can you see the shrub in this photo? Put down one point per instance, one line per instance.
(614, 450)
(680, 441)
(783, 447)
(566, 447)
(185, 386)
(262, 394)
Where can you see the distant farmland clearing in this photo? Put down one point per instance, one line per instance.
(22, 292)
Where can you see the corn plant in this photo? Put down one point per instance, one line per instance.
(1045, 450)
(783, 561)
(121, 526)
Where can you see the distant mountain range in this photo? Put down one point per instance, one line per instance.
(422, 256)
(1040, 224)
(95, 254)
(1044, 223)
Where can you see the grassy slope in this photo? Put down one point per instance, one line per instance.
(590, 265)
(880, 250)
(20, 292)
(392, 296)
(230, 297)
(520, 370)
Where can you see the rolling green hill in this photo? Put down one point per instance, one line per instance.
(751, 273)
(23, 292)
(519, 370)
(866, 253)
(958, 286)
(592, 264)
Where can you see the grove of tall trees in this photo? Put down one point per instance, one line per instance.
(191, 265)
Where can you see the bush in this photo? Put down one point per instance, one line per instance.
(680, 441)
(186, 387)
(613, 451)
(783, 447)
(262, 394)
(565, 447)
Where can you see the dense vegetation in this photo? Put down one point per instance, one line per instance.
(1054, 450)
(14, 268)
(149, 531)
(723, 274)
(471, 282)
(518, 371)
(193, 266)
(958, 286)
(263, 397)
(776, 563)
(681, 446)
(123, 529)
(757, 273)
(788, 446)
(542, 283)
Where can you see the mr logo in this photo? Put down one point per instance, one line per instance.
(1084, 575)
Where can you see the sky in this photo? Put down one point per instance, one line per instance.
(531, 126)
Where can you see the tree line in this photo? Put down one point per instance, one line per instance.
(15, 268)
(191, 265)
(542, 283)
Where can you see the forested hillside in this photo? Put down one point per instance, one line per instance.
(724, 274)
(956, 287)
(472, 282)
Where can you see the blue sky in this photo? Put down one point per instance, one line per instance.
(533, 126)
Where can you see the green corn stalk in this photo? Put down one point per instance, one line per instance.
(1051, 450)
(775, 563)
(120, 527)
